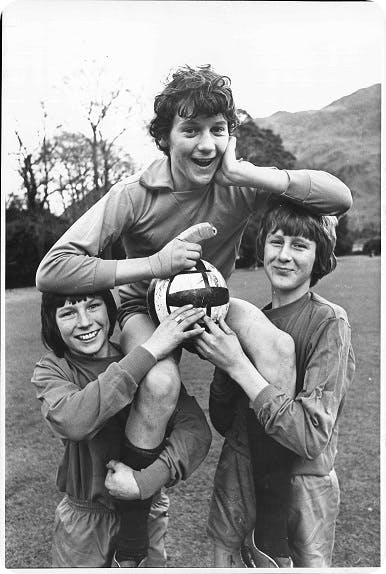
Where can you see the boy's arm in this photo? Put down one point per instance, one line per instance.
(223, 396)
(315, 190)
(78, 414)
(185, 448)
(305, 424)
(74, 263)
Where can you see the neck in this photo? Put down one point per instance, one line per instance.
(281, 298)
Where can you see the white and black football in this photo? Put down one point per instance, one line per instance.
(203, 286)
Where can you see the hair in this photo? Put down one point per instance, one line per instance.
(294, 220)
(51, 336)
(192, 92)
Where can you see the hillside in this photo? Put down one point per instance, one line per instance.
(343, 138)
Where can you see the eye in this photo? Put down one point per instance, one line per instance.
(65, 314)
(190, 132)
(219, 130)
(94, 306)
(300, 245)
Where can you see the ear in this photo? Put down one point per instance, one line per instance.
(164, 142)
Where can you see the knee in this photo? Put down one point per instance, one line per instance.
(160, 390)
(285, 345)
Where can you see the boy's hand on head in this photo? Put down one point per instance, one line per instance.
(178, 327)
(219, 345)
(233, 171)
(120, 481)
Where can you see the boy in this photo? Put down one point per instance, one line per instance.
(297, 249)
(199, 180)
(86, 387)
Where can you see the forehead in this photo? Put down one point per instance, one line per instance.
(199, 119)
(280, 233)
(73, 302)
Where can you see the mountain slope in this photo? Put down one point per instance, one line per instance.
(343, 138)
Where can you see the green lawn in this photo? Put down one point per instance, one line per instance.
(32, 451)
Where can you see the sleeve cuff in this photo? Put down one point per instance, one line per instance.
(299, 185)
(152, 478)
(138, 363)
(105, 274)
(265, 396)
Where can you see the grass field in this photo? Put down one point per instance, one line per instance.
(33, 452)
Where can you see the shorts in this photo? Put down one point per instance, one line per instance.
(313, 510)
(84, 534)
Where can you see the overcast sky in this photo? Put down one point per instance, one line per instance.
(280, 55)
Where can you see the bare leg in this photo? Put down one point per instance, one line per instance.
(271, 350)
(158, 392)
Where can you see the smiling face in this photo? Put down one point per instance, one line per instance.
(196, 146)
(288, 263)
(84, 326)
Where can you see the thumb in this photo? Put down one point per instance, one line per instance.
(112, 465)
(199, 232)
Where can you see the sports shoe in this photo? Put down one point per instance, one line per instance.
(252, 557)
(135, 562)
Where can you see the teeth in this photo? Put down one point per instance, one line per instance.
(88, 336)
(203, 162)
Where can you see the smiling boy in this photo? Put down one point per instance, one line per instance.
(199, 180)
(257, 417)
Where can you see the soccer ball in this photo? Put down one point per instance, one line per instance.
(203, 286)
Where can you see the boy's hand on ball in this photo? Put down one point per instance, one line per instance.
(176, 256)
(219, 345)
(120, 481)
(174, 330)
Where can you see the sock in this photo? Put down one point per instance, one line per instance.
(271, 464)
(132, 540)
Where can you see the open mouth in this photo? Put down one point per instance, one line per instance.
(88, 336)
(203, 162)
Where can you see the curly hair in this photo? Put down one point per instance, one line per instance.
(50, 333)
(293, 220)
(189, 93)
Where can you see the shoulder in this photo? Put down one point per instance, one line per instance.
(326, 310)
(51, 362)
(128, 184)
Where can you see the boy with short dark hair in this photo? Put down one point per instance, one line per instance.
(297, 249)
(87, 388)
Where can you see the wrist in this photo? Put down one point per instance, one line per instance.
(132, 270)
(152, 349)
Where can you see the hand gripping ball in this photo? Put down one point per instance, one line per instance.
(203, 286)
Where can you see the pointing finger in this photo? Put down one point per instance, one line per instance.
(199, 232)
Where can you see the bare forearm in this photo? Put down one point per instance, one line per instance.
(248, 377)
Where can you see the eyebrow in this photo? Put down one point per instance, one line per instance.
(194, 121)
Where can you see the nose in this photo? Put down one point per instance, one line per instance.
(83, 318)
(285, 253)
(206, 143)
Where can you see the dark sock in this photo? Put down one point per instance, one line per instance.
(132, 540)
(271, 464)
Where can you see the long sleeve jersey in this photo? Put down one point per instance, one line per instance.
(308, 423)
(86, 401)
(146, 212)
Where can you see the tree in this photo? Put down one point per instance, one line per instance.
(260, 147)
(344, 237)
